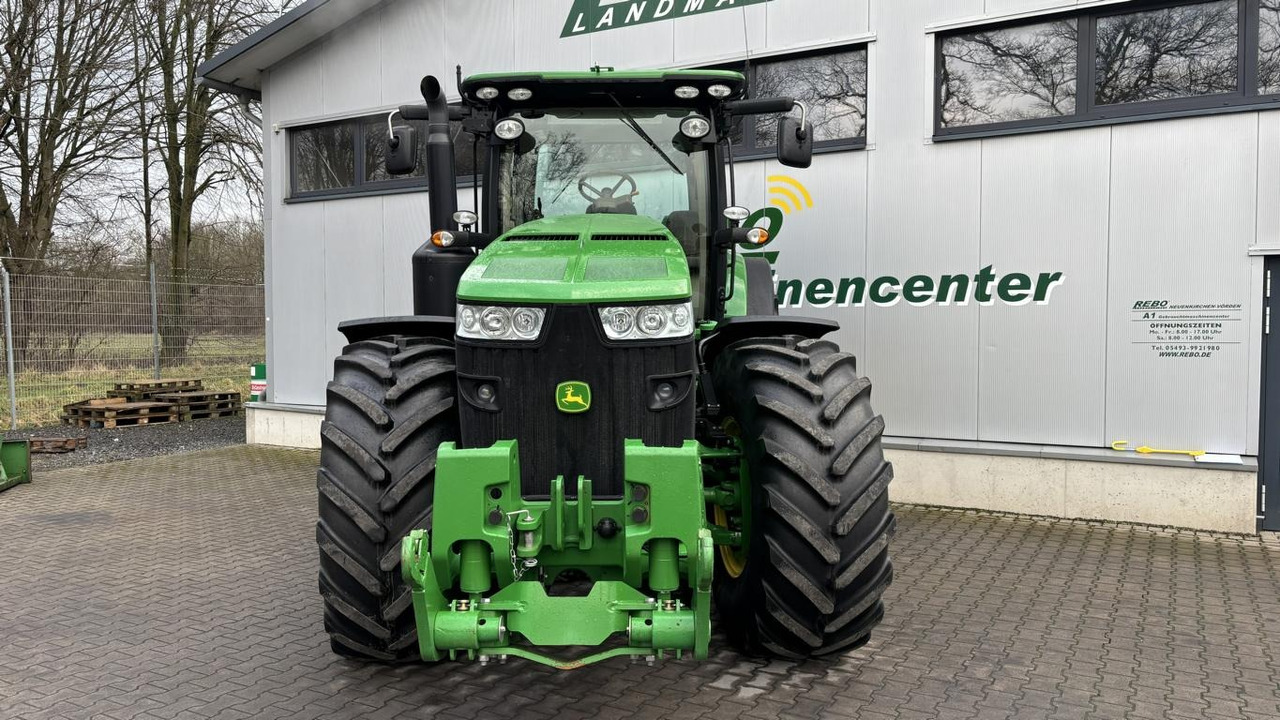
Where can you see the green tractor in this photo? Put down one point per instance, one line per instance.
(596, 423)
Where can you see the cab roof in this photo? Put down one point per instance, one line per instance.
(591, 87)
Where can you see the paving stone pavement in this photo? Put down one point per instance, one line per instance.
(184, 587)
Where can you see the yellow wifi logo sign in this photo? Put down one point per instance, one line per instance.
(786, 196)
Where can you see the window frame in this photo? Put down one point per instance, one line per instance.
(362, 187)
(748, 150)
(1088, 113)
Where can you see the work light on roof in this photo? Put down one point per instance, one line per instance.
(695, 127)
(687, 92)
(719, 91)
(509, 129)
(519, 94)
(488, 92)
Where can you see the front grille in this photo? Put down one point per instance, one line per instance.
(542, 238)
(590, 444)
(624, 238)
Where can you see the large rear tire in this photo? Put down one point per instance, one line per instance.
(390, 405)
(816, 562)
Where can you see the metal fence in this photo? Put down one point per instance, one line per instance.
(71, 338)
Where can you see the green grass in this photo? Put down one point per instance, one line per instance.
(222, 362)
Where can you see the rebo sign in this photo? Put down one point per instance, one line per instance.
(589, 16)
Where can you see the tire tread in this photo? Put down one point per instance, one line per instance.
(817, 561)
(391, 404)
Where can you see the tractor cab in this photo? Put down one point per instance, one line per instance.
(565, 147)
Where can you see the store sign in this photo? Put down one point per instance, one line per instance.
(788, 196)
(591, 16)
(1172, 329)
(984, 287)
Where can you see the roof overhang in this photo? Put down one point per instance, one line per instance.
(238, 69)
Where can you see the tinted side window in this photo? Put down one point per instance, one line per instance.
(324, 157)
(833, 85)
(1269, 47)
(1009, 74)
(1175, 52)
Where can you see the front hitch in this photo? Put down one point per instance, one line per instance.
(658, 549)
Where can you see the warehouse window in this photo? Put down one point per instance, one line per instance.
(1269, 47)
(349, 157)
(833, 83)
(1148, 61)
(1009, 74)
(1175, 52)
(324, 158)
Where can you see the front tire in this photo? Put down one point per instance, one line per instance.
(816, 562)
(390, 405)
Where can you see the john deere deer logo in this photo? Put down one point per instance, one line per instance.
(573, 397)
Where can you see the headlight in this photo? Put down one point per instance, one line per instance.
(468, 319)
(695, 126)
(520, 94)
(719, 91)
(500, 323)
(509, 129)
(647, 322)
(686, 92)
(487, 93)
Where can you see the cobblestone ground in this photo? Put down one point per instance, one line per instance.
(184, 587)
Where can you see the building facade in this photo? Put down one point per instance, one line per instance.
(1044, 227)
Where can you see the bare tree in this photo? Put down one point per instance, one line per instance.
(206, 140)
(65, 100)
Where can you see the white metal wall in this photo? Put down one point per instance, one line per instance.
(1166, 209)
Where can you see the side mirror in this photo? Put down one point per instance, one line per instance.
(795, 142)
(402, 150)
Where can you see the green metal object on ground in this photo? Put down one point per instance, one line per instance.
(15, 463)
(662, 542)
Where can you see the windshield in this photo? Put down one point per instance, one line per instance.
(599, 161)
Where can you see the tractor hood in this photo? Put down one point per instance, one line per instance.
(580, 259)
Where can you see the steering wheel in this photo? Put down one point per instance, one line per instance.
(607, 198)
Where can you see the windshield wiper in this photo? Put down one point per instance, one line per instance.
(630, 122)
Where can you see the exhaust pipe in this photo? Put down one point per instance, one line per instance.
(442, 179)
(436, 272)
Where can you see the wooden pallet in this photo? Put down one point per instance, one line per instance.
(143, 390)
(201, 404)
(49, 445)
(95, 413)
(207, 414)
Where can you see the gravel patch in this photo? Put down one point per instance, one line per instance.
(126, 443)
